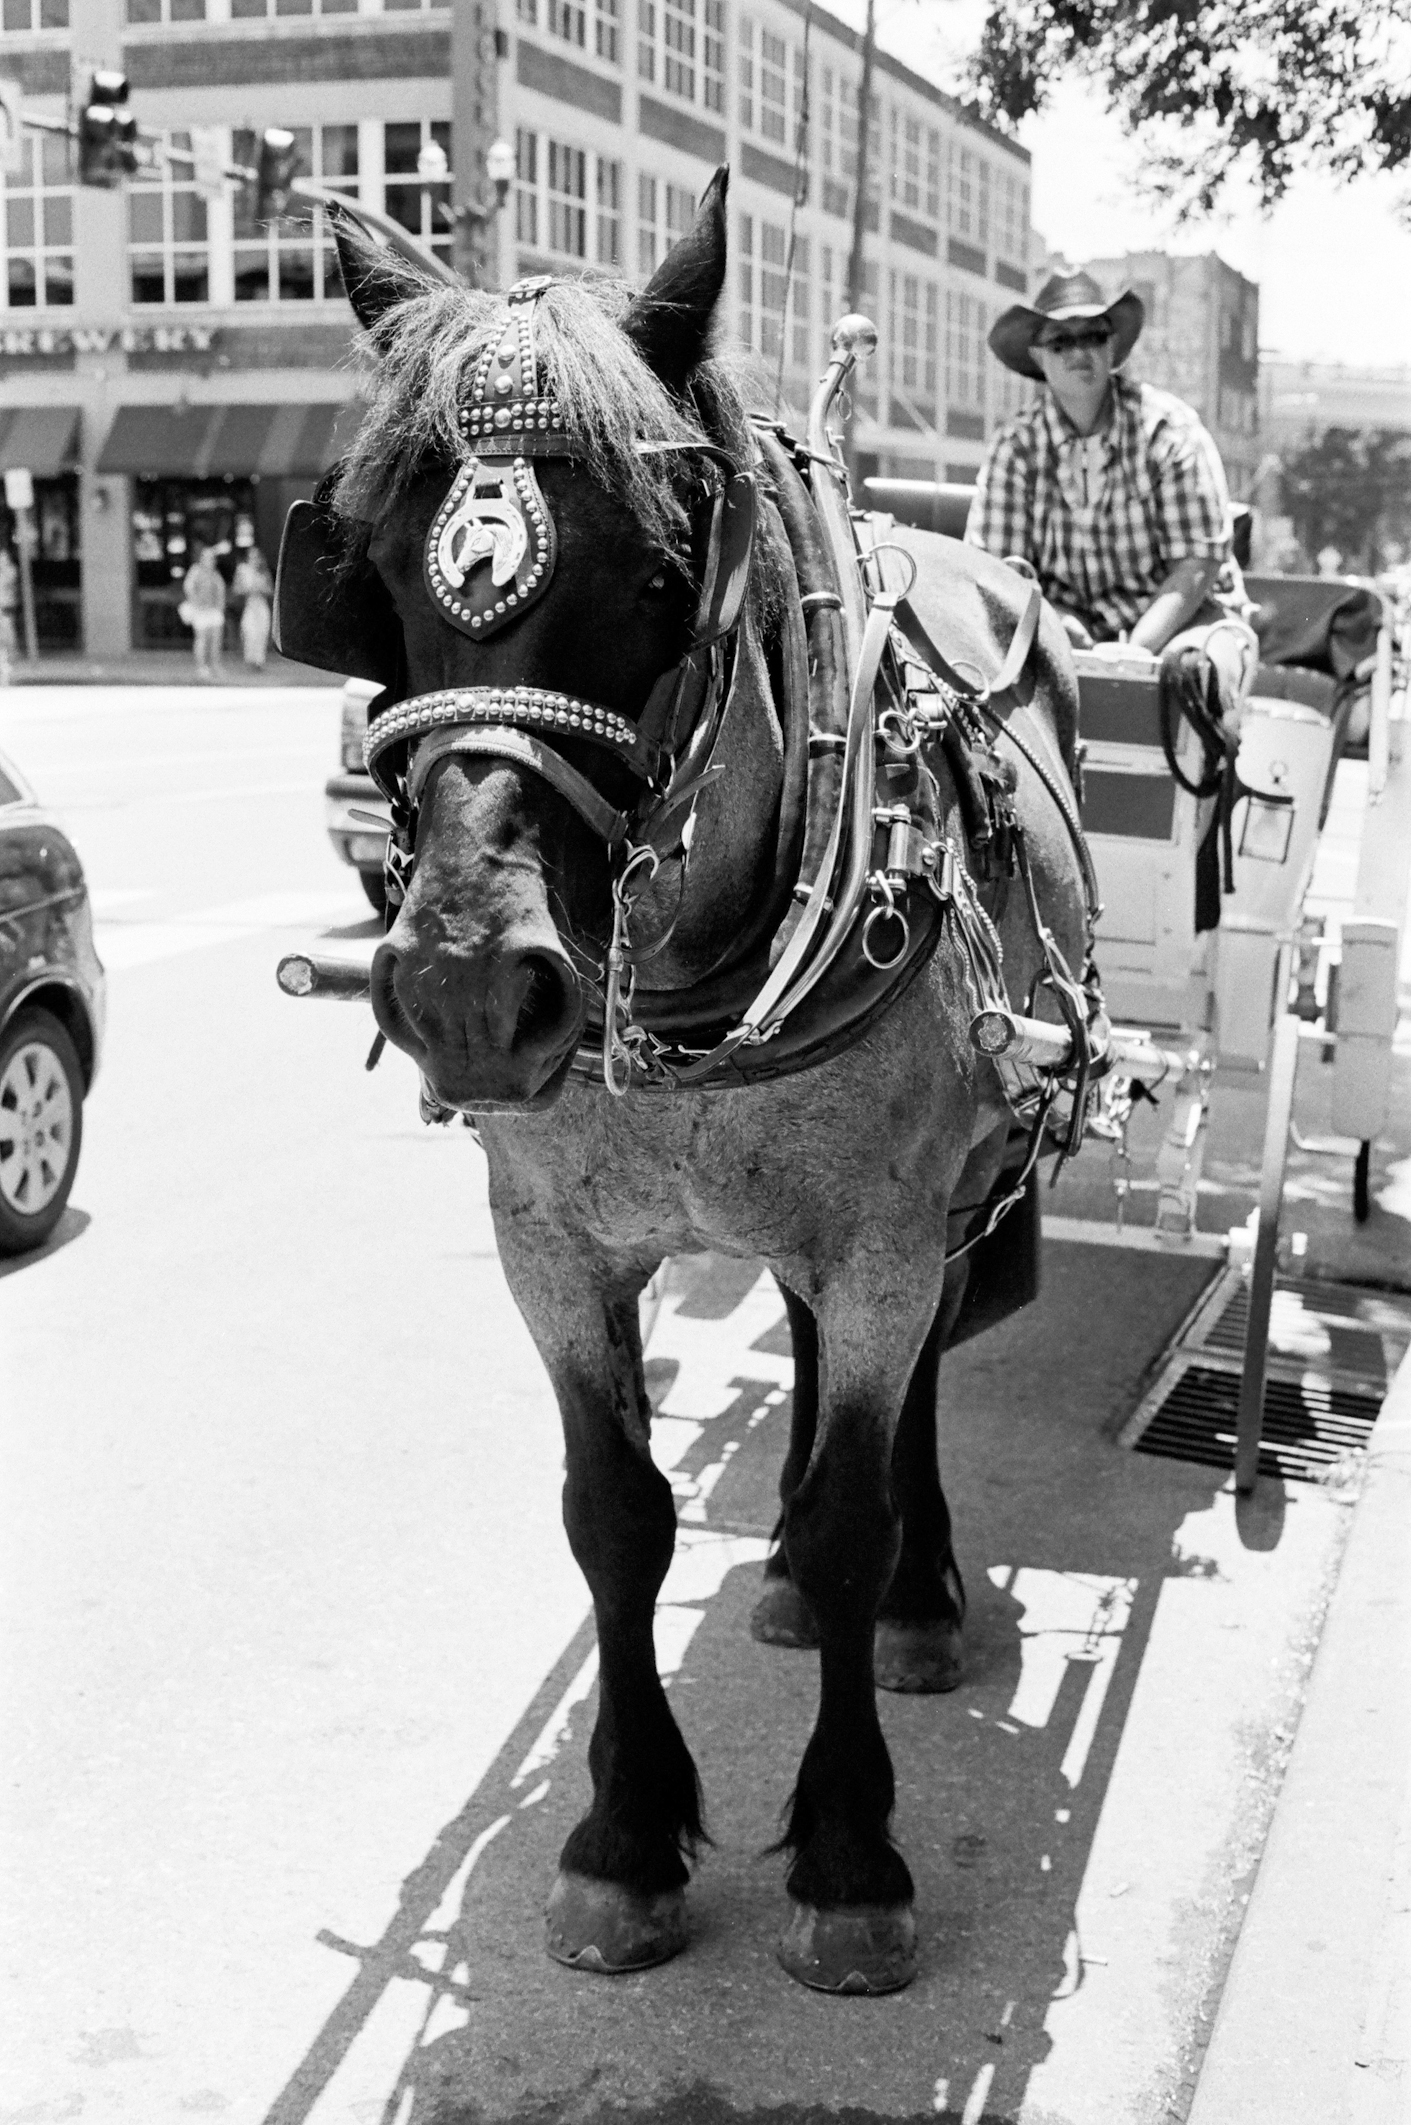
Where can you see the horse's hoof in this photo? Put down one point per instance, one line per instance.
(867, 1948)
(782, 1616)
(600, 1926)
(922, 1658)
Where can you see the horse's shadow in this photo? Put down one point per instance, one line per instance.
(1066, 1541)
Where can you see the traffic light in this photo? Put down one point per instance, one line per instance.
(107, 133)
(278, 167)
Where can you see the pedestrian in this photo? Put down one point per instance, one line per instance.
(203, 609)
(9, 599)
(255, 585)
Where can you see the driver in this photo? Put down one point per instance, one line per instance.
(1110, 493)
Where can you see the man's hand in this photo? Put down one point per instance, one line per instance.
(1123, 653)
(1076, 632)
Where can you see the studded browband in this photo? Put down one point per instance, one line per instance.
(496, 512)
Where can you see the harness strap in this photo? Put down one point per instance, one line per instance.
(518, 747)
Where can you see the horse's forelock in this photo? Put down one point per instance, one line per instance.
(424, 353)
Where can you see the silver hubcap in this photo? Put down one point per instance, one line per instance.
(36, 1128)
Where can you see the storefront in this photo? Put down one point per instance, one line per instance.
(211, 476)
(43, 441)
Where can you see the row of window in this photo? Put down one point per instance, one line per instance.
(803, 109)
(184, 247)
(25, 17)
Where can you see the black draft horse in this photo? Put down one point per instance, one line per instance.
(840, 1178)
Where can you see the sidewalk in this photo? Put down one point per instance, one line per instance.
(1315, 2021)
(156, 667)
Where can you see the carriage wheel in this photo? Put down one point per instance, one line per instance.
(1361, 1183)
(1283, 1069)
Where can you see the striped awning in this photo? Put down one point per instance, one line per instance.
(43, 439)
(183, 441)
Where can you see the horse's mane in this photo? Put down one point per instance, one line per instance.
(422, 353)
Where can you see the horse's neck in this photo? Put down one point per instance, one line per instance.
(730, 881)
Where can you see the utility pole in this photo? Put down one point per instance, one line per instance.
(478, 45)
(864, 135)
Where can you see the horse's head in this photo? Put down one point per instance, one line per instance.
(543, 555)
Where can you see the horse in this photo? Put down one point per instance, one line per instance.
(846, 1178)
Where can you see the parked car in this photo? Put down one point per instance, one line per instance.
(52, 1007)
(350, 796)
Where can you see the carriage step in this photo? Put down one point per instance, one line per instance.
(1333, 1352)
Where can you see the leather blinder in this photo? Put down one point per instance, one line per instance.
(328, 618)
(728, 556)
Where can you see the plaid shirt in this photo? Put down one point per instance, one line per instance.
(1160, 498)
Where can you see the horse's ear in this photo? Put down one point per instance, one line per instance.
(374, 277)
(670, 321)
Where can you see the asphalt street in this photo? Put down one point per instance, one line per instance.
(296, 1659)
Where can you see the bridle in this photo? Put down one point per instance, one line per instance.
(510, 421)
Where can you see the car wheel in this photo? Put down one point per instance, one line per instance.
(41, 1128)
(375, 886)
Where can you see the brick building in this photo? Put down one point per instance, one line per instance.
(174, 375)
(1201, 340)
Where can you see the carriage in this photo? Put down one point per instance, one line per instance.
(1270, 975)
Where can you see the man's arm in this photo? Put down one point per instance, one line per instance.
(999, 514)
(1182, 594)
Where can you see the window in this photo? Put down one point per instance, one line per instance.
(933, 172)
(609, 212)
(692, 58)
(168, 251)
(166, 10)
(679, 69)
(526, 187)
(677, 206)
(605, 22)
(26, 16)
(713, 54)
(568, 201)
(911, 358)
(240, 9)
(830, 264)
(773, 88)
(565, 19)
(1012, 217)
(747, 74)
(527, 11)
(38, 221)
(418, 207)
(967, 320)
(961, 217)
(906, 161)
(568, 192)
(293, 260)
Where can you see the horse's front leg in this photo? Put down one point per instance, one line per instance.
(852, 1928)
(618, 1903)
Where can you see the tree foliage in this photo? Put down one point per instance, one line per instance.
(1216, 88)
(1351, 488)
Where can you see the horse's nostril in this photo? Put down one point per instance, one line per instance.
(543, 1003)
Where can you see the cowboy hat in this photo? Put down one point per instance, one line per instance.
(1064, 297)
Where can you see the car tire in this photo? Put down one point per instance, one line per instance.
(41, 1128)
(375, 886)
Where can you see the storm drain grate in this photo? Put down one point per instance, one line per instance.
(1333, 1351)
(1307, 1426)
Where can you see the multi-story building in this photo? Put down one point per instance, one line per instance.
(619, 120)
(174, 374)
(1200, 340)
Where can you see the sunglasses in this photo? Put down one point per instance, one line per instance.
(1089, 336)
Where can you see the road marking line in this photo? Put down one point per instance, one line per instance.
(123, 945)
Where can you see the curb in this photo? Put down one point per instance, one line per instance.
(1315, 2019)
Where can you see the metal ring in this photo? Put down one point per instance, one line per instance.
(899, 731)
(892, 546)
(890, 913)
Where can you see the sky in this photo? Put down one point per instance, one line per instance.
(1332, 262)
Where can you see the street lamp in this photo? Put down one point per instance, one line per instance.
(473, 218)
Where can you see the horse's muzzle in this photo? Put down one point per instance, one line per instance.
(496, 1025)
